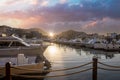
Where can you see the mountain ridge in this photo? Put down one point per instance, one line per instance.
(71, 34)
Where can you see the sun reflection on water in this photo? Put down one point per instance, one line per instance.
(53, 54)
(52, 50)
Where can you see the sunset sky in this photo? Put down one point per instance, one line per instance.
(59, 15)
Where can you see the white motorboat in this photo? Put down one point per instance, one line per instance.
(14, 45)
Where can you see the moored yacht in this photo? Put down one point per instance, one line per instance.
(90, 43)
(112, 47)
(13, 45)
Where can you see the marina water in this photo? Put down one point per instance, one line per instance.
(61, 57)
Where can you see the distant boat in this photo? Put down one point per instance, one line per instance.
(14, 45)
(112, 47)
(90, 43)
(103, 45)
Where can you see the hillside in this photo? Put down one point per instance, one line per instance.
(71, 34)
(28, 33)
(38, 30)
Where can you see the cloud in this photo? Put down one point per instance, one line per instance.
(10, 22)
(44, 3)
(85, 15)
(106, 25)
(17, 5)
(91, 9)
(63, 1)
(13, 2)
(81, 11)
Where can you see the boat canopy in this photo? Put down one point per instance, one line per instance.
(12, 41)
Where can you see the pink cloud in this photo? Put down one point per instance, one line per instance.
(44, 3)
(92, 24)
(63, 1)
(20, 19)
(10, 2)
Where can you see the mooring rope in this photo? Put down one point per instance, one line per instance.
(52, 70)
(27, 76)
(26, 69)
(109, 65)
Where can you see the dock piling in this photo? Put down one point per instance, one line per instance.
(94, 73)
(8, 72)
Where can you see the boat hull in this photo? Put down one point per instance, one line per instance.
(31, 68)
(22, 50)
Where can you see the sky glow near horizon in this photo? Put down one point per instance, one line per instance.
(90, 16)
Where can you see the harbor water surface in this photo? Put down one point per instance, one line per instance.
(66, 57)
(61, 57)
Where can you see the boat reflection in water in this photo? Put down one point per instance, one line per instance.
(101, 54)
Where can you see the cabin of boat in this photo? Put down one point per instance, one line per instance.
(11, 41)
(13, 45)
